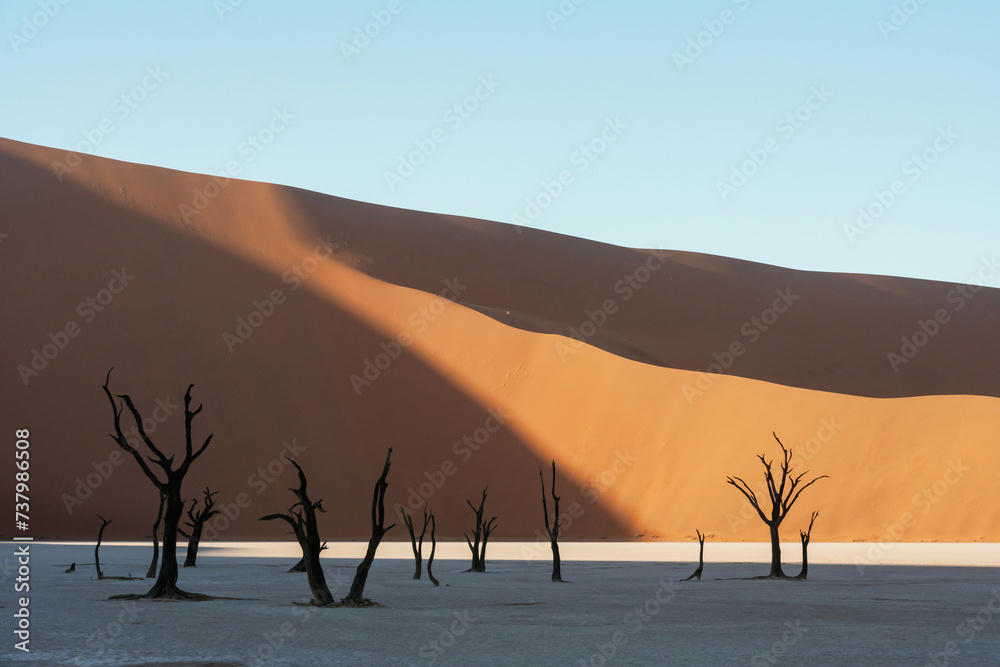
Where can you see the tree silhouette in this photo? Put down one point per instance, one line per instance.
(97, 548)
(356, 596)
(151, 572)
(197, 521)
(701, 558)
(782, 495)
(552, 531)
(302, 518)
(170, 486)
(481, 535)
(804, 536)
(416, 543)
(430, 559)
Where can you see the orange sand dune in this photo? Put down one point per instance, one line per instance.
(335, 329)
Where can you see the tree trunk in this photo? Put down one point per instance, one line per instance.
(805, 559)
(556, 563)
(97, 558)
(166, 582)
(430, 560)
(357, 594)
(151, 572)
(776, 572)
(192, 550)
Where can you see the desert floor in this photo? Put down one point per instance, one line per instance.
(615, 611)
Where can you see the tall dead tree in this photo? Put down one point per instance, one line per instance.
(430, 560)
(782, 495)
(701, 558)
(356, 596)
(804, 536)
(302, 518)
(97, 548)
(416, 543)
(196, 520)
(480, 536)
(154, 561)
(552, 531)
(170, 486)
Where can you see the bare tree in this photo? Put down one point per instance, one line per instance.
(552, 531)
(97, 548)
(197, 521)
(302, 518)
(481, 536)
(782, 494)
(430, 560)
(804, 536)
(170, 486)
(72, 568)
(151, 572)
(416, 543)
(356, 596)
(701, 558)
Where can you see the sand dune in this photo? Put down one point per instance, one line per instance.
(335, 329)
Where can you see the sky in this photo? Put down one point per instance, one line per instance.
(853, 136)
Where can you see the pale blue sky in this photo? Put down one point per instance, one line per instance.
(677, 131)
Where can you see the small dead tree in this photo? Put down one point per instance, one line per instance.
(302, 518)
(804, 536)
(72, 568)
(151, 572)
(481, 535)
(430, 560)
(416, 543)
(701, 558)
(356, 596)
(97, 548)
(782, 495)
(196, 520)
(169, 487)
(552, 531)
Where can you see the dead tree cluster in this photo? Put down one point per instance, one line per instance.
(480, 535)
(196, 521)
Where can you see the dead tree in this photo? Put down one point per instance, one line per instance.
(481, 536)
(805, 546)
(72, 568)
(197, 522)
(430, 560)
(552, 531)
(97, 548)
(151, 572)
(169, 487)
(302, 518)
(416, 543)
(701, 558)
(782, 494)
(356, 596)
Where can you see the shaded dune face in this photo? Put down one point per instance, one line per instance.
(335, 329)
